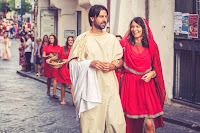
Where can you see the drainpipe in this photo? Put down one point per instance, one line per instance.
(147, 10)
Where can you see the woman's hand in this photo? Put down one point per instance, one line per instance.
(65, 61)
(116, 63)
(147, 77)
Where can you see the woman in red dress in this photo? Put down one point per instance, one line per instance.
(143, 90)
(63, 72)
(49, 72)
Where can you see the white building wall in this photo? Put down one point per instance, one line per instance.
(125, 11)
(161, 20)
(67, 17)
(42, 4)
(59, 28)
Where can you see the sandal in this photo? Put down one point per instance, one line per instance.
(56, 97)
(63, 103)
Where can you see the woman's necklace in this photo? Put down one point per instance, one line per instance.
(138, 44)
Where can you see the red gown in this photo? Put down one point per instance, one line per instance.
(50, 72)
(139, 99)
(63, 72)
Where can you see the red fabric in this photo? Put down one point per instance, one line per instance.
(5, 28)
(138, 97)
(50, 72)
(63, 72)
(18, 36)
(156, 64)
(131, 124)
(118, 75)
(136, 126)
(29, 25)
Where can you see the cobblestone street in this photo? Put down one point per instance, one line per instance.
(25, 107)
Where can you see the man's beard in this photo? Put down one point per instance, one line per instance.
(99, 26)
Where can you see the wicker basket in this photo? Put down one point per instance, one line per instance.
(55, 65)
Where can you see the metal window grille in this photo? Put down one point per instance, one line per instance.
(198, 6)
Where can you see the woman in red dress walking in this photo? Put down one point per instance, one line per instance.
(49, 72)
(143, 90)
(63, 72)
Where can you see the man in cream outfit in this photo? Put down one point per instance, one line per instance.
(105, 54)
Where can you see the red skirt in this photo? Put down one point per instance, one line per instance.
(139, 101)
(49, 72)
(63, 75)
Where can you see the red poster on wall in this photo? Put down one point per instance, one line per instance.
(193, 25)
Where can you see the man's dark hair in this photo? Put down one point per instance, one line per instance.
(94, 12)
(55, 40)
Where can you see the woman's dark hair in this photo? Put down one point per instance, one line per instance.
(55, 40)
(29, 35)
(131, 38)
(67, 44)
(44, 37)
(94, 12)
(32, 38)
(21, 40)
(6, 34)
(118, 36)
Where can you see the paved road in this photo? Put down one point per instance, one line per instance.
(25, 108)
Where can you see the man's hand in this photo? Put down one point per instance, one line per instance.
(97, 64)
(108, 67)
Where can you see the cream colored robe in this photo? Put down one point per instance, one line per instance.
(6, 43)
(107, 117)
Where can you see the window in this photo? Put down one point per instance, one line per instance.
(198, 6)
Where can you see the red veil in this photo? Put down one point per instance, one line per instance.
(156, 64)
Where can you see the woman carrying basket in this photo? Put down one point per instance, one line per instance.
(63, 72)
(49, 72)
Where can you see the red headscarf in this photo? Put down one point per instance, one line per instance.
(156, 64)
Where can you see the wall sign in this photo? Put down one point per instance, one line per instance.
(69, 33)
(193, 25)
(47, 22)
